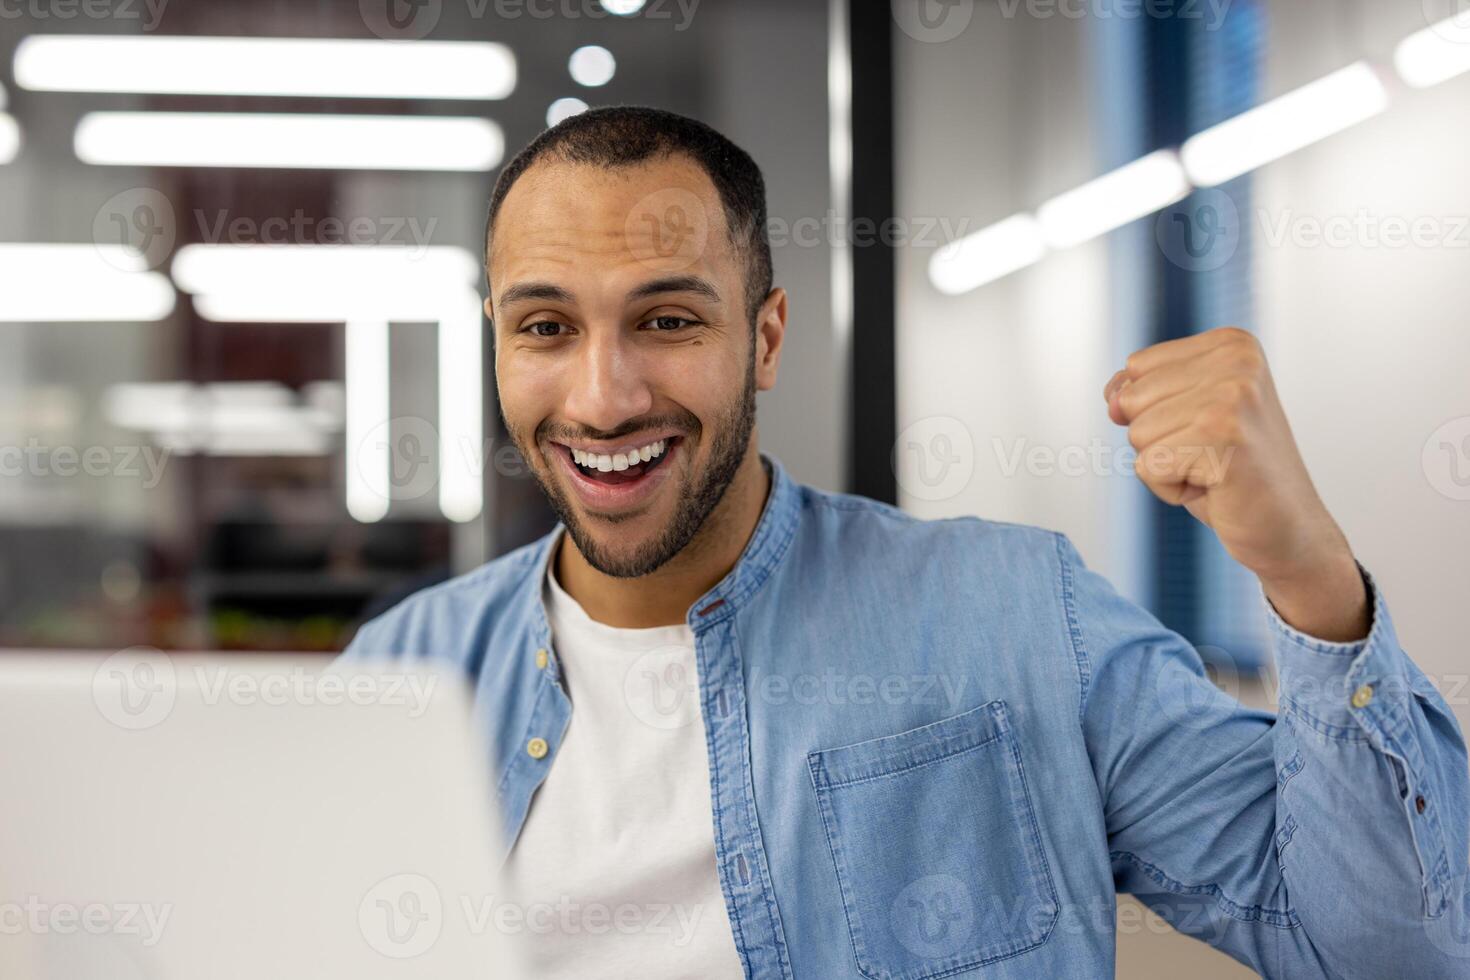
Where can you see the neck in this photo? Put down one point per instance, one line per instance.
(663, 597)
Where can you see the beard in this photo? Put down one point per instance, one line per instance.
(696, 499)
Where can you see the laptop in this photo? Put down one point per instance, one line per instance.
(173, 816)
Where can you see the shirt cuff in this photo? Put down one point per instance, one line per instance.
(1350, 690)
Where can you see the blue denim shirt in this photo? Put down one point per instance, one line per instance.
(940, 748)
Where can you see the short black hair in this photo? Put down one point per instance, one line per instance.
(621, 136)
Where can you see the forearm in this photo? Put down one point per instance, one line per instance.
(1326, 598)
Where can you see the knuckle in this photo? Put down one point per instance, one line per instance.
(1155, 462)
(1249, 360)
(1220, 423)
(1244, 349)
(1243, 393)
(1128, 400)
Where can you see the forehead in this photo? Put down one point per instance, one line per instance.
(565, 219)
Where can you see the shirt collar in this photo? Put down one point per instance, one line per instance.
(763, 552)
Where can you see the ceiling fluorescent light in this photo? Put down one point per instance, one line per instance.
(9, 138)
(1285, 125)
(1435, 54)
(290, 439)
(592, 66)
(986, 255)
(253, 418)
(216, 268)
(66, 283)
(368, 441)
(289, 140)
(307, 67)
(462, 445)
(150, 406)
(1113, 200)
(564, 109)
(322, 283)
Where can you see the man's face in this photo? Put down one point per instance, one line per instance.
(623, 354)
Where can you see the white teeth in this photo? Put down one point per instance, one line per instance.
(605, 463)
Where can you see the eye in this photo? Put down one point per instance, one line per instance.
(545, 329)
(670, 324)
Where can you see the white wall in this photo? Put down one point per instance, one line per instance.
(1371, 344)
(989, 123)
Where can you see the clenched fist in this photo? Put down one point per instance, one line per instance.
(1211, 435)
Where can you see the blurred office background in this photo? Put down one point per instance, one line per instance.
(283, 441)
(246, 401)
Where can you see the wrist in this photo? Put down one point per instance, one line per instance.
(1323, 597)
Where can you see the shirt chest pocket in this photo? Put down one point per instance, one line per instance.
(936, 847)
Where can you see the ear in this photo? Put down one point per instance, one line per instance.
(770, 332)
(489, 313)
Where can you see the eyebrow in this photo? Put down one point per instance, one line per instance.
(552, 293)
(677, 284)
(535, 290)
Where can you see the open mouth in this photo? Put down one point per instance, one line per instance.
(617, 469)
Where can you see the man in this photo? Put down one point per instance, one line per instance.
(742, 727)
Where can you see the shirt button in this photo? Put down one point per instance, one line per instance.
(1362, 696)
(536, 748)
(1419, 804)
(541, 658)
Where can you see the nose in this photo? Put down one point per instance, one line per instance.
(608, 383)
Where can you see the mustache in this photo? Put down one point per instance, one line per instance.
(551, 432)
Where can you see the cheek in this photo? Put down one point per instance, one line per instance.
(528, 391)
(702, 380)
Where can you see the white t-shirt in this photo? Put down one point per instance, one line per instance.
(614, 869)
